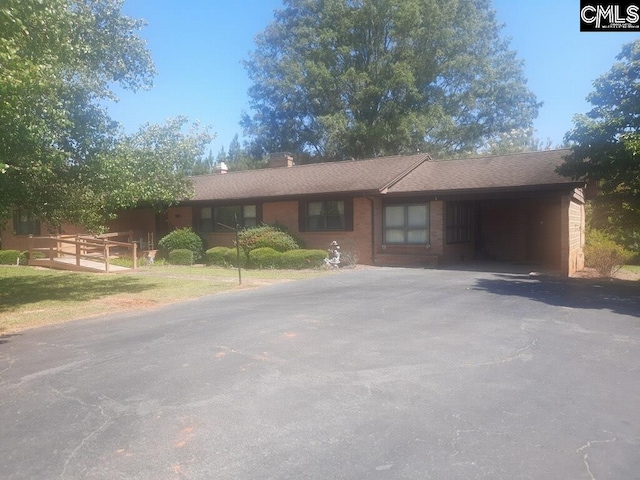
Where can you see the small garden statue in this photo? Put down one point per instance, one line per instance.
(333, 259)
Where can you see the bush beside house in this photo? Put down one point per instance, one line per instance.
(266, 236)
(299, 259)
(181, 256)
(216, 256)
(183, 238)
(264, 257)
(231, 258)
(603, 254)
(12, 257)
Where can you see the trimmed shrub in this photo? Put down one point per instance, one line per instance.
(24, 256)
(183, 238)
(217, 256)
(604, 254)
(231, 258)
(296, 238)
(11, 257)
(266, 236)
(264, 257)
(181, 256)
(299, 259)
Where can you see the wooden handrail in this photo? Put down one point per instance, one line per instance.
(87, 241)
(83, 244)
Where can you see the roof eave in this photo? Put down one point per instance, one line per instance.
(484, 190)
(286, 197)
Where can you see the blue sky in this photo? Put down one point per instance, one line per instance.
(198, 47)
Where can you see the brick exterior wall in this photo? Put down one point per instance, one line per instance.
(140, 220)
(545, 229)
(573, 232)
(356, 243)
(11, 241)
(179, 217)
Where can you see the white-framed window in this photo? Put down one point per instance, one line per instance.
(214, 219)
(406, 224)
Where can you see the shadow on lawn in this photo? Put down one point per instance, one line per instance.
(616, 295)
(19, 291)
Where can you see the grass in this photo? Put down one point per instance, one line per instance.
(632, 269)
(32, 297)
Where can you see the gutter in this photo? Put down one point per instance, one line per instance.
(489, 190)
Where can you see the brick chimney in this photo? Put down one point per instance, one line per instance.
(220, 168)
(280, 159)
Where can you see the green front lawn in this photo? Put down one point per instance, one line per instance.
(632, 269)
(32, 297)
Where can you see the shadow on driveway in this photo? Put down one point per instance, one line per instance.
(615, 295)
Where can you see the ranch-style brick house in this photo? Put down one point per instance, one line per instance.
(403, 210)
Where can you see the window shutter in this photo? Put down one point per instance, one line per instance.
(259, 213)
(348, 214)
(195, 219)
(302, 215)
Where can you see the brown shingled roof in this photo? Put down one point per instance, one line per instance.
(523, 170)
(392, 175)
(359, 176)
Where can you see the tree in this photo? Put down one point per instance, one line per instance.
(515, 141)
(606, 147)
(359, 78)
(203, 166)
(149, 167)
(239, 158)
(61, 157)
(222, 156)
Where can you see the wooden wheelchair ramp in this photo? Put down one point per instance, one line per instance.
(82, 253)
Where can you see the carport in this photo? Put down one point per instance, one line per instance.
(525, 230)
(513, 208)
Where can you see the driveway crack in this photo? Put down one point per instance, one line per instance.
(585, 458)
(93, 433)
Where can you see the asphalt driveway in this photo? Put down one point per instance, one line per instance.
(373, 374)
